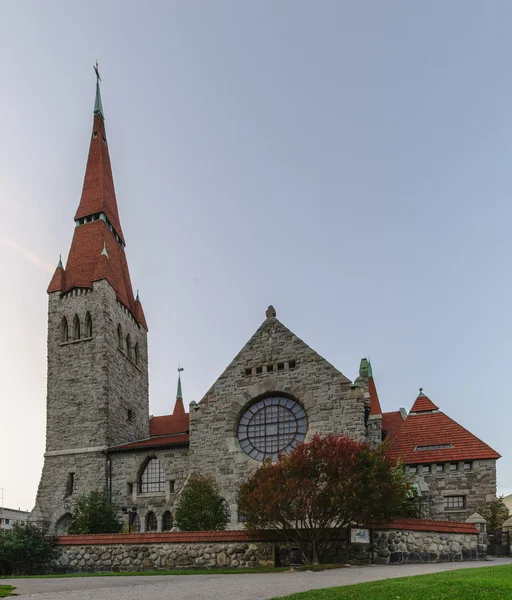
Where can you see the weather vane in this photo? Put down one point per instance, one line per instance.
(180, 369)
(95, 67)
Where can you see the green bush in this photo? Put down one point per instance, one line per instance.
(200, 505)
(24, 549)
(95, 513)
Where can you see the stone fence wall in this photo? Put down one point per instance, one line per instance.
(408, 540)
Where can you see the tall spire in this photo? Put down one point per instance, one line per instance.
(179, 409)
(97, 249)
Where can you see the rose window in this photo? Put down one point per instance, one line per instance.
(272, 426)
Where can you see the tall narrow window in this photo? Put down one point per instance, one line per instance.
(64, 334)
(136, 354)
(76, 328)
(120, 340)
(151, 522)
(70, 484)
(88, 325)
(153, 477)
(129, 348)
(167, 521)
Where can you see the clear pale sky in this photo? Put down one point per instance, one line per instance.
(348, 162)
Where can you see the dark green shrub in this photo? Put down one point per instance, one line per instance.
(95, 513)
(24, 549)
(200, 505)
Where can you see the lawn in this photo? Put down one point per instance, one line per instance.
(488, 583)
(5, 590)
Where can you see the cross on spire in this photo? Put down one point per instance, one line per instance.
(95, 67)
(98, 107)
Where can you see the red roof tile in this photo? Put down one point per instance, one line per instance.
(147, 538)
(181, 439)
(375, 408)
(436, 429)
(86, 264)
(424, 525)
(392, 422)
(175, 423)
(244, 536)
(423, 404)
(98, 193)
(168, 430)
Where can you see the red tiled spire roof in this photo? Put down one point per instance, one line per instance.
(430, 436)
(423, 404)
(98, 193)
(96, 251)
(375, 408)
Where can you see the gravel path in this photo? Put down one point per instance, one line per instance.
(222, 587)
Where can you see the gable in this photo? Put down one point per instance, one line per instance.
(273, 349)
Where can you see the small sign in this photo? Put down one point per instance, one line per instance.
(359, 536)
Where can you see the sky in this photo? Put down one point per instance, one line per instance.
(347, 162)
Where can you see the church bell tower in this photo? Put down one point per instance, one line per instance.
(97, 390)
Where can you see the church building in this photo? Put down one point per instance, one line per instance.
(276, 393)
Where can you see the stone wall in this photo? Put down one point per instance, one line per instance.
(399, 546)
(477, 485)
(274, 361)
(405, 541)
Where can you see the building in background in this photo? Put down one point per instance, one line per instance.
(9, 516)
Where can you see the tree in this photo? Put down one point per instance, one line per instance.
(322, 487)
(24, 549)
(495, 513)
(95, 513)
(200, 506)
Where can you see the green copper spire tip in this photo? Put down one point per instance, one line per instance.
(365, 368)
(98, 107)
(421, 393)
(59, 266)
(179, 393)
(370, 372)
(137, 298)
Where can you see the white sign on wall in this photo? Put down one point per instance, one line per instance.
(359, 536)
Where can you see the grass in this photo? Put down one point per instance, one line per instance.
(488, 583)
(178, 572)
(5, 590)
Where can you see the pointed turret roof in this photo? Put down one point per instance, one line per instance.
(428, 436)
(97, 250)
(179, 409)
(176, 423)
(423, 404)
(365, 371)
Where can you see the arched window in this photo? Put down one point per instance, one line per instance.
(120, 341)
(151, 522)
(88, 325)
(153, 477)
(63, 524)
(134, 522)
(167, 521)
(136, 354)
(76, 328)
(129, 349)
(64, 334)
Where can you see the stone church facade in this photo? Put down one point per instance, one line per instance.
(276, 393)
